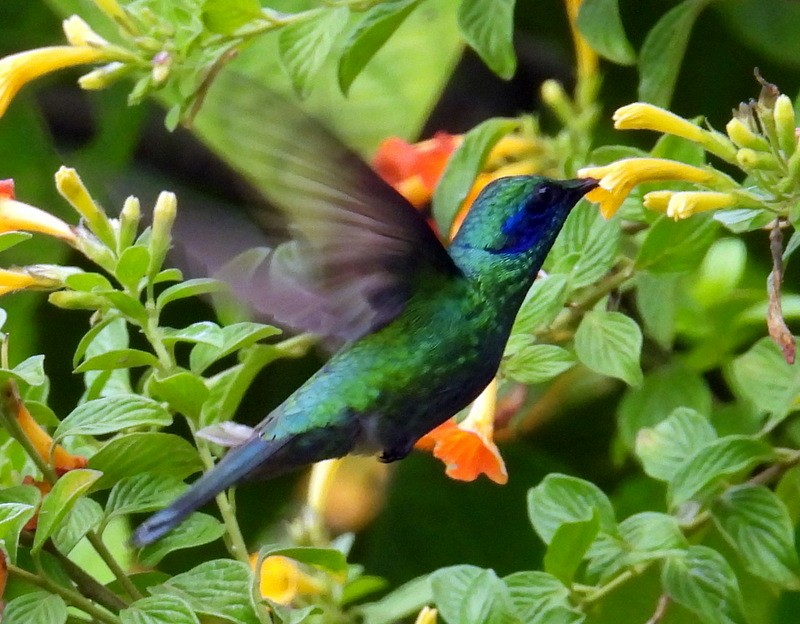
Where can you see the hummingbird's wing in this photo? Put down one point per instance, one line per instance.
(354, 244)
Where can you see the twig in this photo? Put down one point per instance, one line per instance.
(776, 324)
(661, 610)
(97, 543)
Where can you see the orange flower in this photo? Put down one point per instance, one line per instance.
(62, 460)
(414, 169)
(44, 487)
(468, 448)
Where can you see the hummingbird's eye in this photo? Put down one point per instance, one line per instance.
(545, 195)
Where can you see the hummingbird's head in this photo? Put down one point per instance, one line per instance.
(516, 214)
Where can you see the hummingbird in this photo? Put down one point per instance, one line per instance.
(421, 327)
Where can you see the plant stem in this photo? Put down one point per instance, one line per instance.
(71, 597)
(97, 543)
(606, 589)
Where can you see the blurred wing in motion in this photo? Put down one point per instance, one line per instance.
(351, 246)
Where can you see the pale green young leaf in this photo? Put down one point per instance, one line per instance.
(133, 453)
(39, 607)
(376, 26)
(61, 499)
(13, 517)
(488, 28)
(112, 414)
(544, 301)
(740, 220)
(665, 448)
(184, 392)
(158, 610)
(702, 581)
(663, 391)
(600, 24)
(29, 371)
(662, 52)
(168, 275)
(189, 288)
(464, 165)
(226, 16)
(88, 282)
(217, 588)
(536, 594)
(204, 332)
(470, 595)
(132, 266)
(129, 305)
(660, 252)
(234, 337)
(610, 343)
(537, 363)
(568, 547)
(715, 463)
(587, 247)
(121, 358)
(329, 559)
(142, 493)
(650, 535)
(89, 337)
(82, 518)
(112, 336)
(757, 524)
(196, 530)
(762, 376)
(11, 239)
(303, 46)
(560, 499)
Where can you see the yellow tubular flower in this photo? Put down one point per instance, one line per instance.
(281, 579)
(19, 69)
(319, 484)
(657, 200)
(618, 179)
(586, 58)
(15, 216)
(11, 281)
(685, 204)
(426, 616)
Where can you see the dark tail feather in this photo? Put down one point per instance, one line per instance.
(235, 466)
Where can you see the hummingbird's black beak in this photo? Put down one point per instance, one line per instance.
(583, 185)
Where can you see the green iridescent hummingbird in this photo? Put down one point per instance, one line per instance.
(423, 327)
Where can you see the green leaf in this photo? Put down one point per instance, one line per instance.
(234, 337)
(656, 300)
(328, 559)
(470, 595)
(142, 493)
(560, 499)
(660, 253)
(158, 610)
(757, 524)
(569, 545)
(663, 391)
(196, 530)
(29, 371)
(121, 358)
(739, 220)
(703, 582)
(186, 393)
(226, 16)
(57, 504)
(362, 586)
(13, 517)
(587, 247)
(131, 266)
(89, 337)
(134, 453)
(10, 239)
(601, 26)
(662, 52)
(88, 282)
(303, 47)
(544, 301)
(168, 275)
(82, 518)
(464, 165)
(766, 27)
(537, 363)
(488, 28)
(376, 26)
(536, 594)
(610, 343)
(404, 601)
(664, 449)
(112, 414)
(762, 376)
(37, 607)
(130, 306)
(720, 272)
(216, 588)
(189, 288)
(714, 463)
(204, 332)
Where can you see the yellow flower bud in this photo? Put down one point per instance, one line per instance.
(71, 187)
(785, 125)
(554, 96)
(79, 33)
(104, 76)
(751, 159)
(426, 616)
(129, 218)
(742, 136)
(77, 300)
(163, 217)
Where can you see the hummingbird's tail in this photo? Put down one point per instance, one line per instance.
(234, 467)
